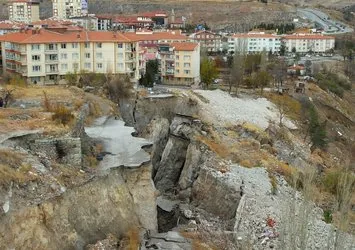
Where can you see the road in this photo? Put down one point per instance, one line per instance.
(329, 25)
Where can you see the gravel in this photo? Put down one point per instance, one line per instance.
(224, 108)
(288, 209)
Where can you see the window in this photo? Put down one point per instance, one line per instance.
(87, 45)
(36, 68)
(187, 65)
(120, 45)
(177, 57)
(64, 66)
(99, 45)
(177, 64)
(120, 55)
(87, 65)
(120, 65)
(51, 46)
(187, 57)
(187, 71)
(76, 66)
(36, 58)
(177, 71)
(75, 45)
(99, 55)
(99, 65)
(87, 55)
(35, 46)
(63, 45)
(75, 56)
(63, 56)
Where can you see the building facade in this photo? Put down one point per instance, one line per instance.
(45, 57)
(65, 9)
(179, 63)
(254, 43)
(305, 43)
(25, 11)
(209, 41)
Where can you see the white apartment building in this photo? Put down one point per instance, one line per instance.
(65, 9)
(304, 43)
(254, 43)
(25, 11)
(45, 57)
(179, 63)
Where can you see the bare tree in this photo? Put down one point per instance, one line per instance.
(237, 72)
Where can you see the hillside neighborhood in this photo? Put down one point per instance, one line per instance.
(176, 127)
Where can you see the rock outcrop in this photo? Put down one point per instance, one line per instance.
(113, 204)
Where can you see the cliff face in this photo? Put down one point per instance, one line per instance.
(115, 203)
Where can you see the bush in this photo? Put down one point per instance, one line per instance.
(62, 114)
(332, 82)
(119, 87)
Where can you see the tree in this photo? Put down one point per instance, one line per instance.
(150, 72)
(317, 130)
(286, 105)
(282, 49)
(71, 78)
(237, 72)
(294, 50)
(208, 71)
(119, 88)
(261, 80)
(308, 66)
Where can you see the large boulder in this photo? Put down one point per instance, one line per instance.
(172, 162)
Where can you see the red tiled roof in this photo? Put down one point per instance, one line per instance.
(307, 36)
(184, 46)
(153, 14)
(254, 35)
(47, 36)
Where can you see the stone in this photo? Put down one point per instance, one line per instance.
(191, 167)
(187, 213)
(213, 194)
(171, 164)
(166, 204)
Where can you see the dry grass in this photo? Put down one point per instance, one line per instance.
(11, 158)
(214, 146)
(19, 176)
(67, 175)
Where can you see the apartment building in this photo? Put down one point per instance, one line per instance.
(45, 57)
(179, 63)
(304, 43)
(65, 9)
(25, 11)
(209, 41)
(254, 43)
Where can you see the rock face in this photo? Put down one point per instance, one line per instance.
(123, 199)
(213, 193)
(64, 150)
(171, 164)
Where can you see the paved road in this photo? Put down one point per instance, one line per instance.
(329, 25)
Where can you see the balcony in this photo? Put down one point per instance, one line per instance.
(53, 61)
(170, 72)
(52, 71)
(52, 50)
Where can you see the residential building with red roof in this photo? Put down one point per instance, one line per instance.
(254, 42)
(304, 43)
(43, 56)
(25, 11)
(208, 40)
(46, 55)
(179, 63)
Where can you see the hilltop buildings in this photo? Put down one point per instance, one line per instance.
(65, 9)
(25, 11)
